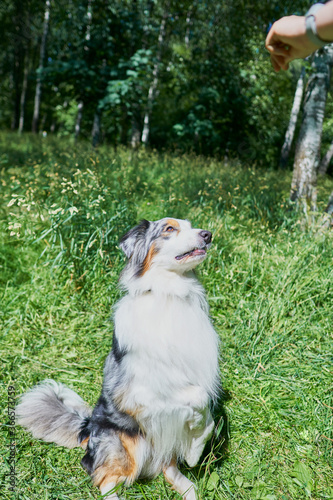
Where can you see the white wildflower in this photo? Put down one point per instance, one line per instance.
(73, 210)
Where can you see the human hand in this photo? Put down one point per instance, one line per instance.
(287, 40)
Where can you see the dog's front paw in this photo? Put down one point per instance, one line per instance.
(201, 429)
(193, 396)
(191, 495)
(198, 420)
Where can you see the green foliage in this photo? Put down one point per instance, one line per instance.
(215, 91)
(269, 285)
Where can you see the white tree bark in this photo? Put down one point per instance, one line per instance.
(135, 133)
(304, 181)
(288, 140)
(188, 27)
(326, 160)
(96, 129)
(154, 83)
(87, 37)
(78, 119)
(24, 92)
(38, 92)
(329, 208)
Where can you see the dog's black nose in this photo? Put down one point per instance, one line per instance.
(206, 235)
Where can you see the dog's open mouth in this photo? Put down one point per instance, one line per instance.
(196, 252)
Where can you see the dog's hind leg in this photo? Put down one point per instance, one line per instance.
(111, 489)
(121, 463)
(179, 482)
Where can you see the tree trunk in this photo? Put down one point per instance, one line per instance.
(78, 119)
(326, 160)
(15, 99)
(304, 182)
(135, 133)
(329, 208)
(86, 49)
(16, 78)
(96, 129)
(38, 92)
(188, 28)
(293, 120)
(154, 83)
(20, 36)
(24, 93)
(42, 123)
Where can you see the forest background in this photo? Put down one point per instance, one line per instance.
(115, 111)
(187, 76)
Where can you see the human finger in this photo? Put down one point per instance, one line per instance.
(279, 50)
(280, 62)
(275, 63)
(273, 37)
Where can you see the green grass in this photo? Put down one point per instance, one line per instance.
(269, 282)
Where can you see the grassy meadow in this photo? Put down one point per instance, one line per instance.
(269, 280)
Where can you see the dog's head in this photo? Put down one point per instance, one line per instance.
(168, 243)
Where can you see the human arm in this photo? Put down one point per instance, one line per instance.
(287, 39)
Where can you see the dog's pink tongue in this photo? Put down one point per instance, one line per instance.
(198, 251)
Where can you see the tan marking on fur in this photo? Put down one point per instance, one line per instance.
(166, 477)
(149, 258)
(133, 412)
(179, 482)
(121, 469)
(84, 443)
(173, 462)
(173, 223)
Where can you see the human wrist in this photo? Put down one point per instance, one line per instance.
(324, 23)
(311, 26)
(324, 30)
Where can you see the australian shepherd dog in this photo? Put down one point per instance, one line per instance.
(160, 378)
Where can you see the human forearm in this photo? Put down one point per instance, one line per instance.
(324, 22)
(288, 38)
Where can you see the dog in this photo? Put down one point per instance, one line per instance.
(160, 378)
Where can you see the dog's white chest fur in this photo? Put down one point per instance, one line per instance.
(171, 360)
(172, 341)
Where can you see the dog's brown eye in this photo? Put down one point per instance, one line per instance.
(169, 229)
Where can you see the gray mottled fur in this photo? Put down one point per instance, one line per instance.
(136, 243)
(53, 412)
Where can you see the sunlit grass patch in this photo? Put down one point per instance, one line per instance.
(269, 285)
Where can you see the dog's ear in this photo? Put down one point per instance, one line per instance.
(130, 239)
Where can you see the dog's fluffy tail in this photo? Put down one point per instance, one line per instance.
(53, 412)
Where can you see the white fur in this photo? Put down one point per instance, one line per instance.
(172, 351)
(161, 375)
(180, 483)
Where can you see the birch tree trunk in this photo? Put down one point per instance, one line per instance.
(329, 208)
(78, 119)
(154, 83)
(38, 92)
(304, 182)
(288, 140)
(96, 129)
(80, 106)
(326, 160)
(24, 93)
(135, 132)
(188, 28)
(20, 29)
